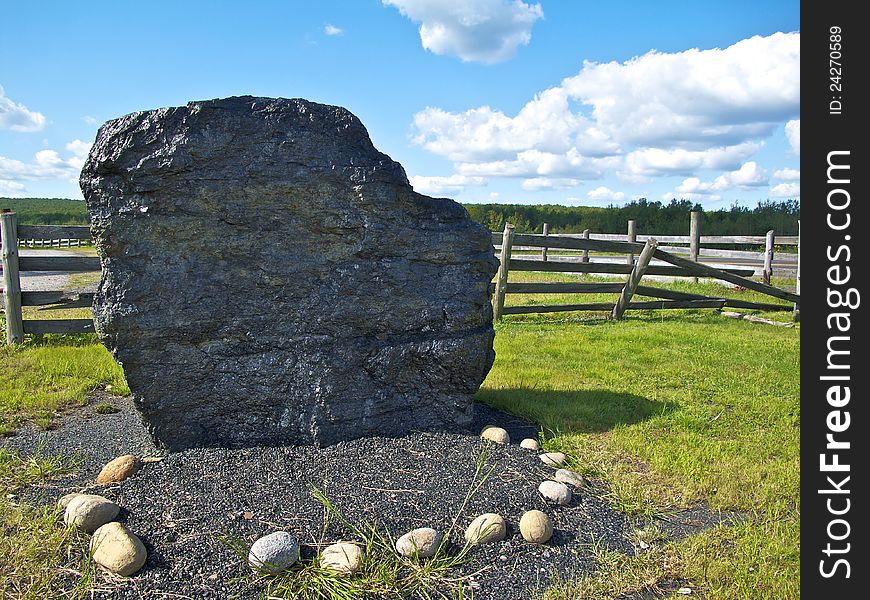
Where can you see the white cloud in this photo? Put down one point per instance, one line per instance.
(331, 29)
(441, 184)
(749, 175)
(787, 174)
(46, 165)
(690, 196)
(11, 188)
(604, 194)
(650, 162)
(17, 117)
(535, 184)
(785, 190)
(90, 120)
(793, 133)
(486, 31)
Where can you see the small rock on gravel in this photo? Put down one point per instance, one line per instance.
(553, 459)
(63, 501)
(536, 527)
(274, 552)
(119, 469)
(488, 527)
(117, 549)
(530, 444)
(422, 543)
(497, 435)
(342, 557)
(571, 478)
(555, 491)
(88, 512)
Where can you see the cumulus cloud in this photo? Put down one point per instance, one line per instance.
(486, 31)
(331, 29)
(535, 184)
(46, 165)
(444, 184)
(787, 174)
(604, 194)
(10, 188)
(785, 190)
(650, 162)
(793, 133)
(17, 117)
(749, 175)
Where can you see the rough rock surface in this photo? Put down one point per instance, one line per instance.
(89, 512)
(270, 277)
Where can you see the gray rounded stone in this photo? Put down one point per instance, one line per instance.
(553, 459)
(536, 527)
(488, 527)
(117, 549)
(421, 543)
(571, 478)
(88, 512)
(344, 558)
(274, 553)
(555, 491)
(63, 501)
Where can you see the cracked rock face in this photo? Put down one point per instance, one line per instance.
(269, 277)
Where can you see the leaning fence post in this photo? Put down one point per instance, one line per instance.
(546, 232)
(767, 273)
(634, 279)
(11, 283)
(694, 238)
(586, 251)
(507, 241)
(796, 313)
(632, 237)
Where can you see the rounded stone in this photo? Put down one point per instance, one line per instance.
(64, 501)
(530, 444)
(488, 527)
(571, 478)
(553, 459)
(119, 469)
(497, 435)
(88, 512)
(421, 543)
(344, 558)
(536, 527)
(555, 491)
(274, 552)
(117, 549)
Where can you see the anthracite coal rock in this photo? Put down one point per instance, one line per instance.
(269, 277)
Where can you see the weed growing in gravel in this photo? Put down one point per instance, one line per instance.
(104, 408)
(382, 573)
(40, 556)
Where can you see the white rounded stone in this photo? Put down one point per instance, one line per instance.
(497, 435)
(555, 491)
(422, 543)
(342, 557)
(530, 444)
(571, 478)
(553, 459)
(115, 548)
(274, 552)
(88, 512)
(536, 527)
(488, 527)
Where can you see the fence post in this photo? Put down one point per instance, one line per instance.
(585, 252)
(11, 283)
(546, 232)
(694, 238)
(634, 279)
(796, 313)
(632, 237)
(767, 273)
(507, 241)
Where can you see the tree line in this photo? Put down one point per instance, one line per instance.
(651, 217)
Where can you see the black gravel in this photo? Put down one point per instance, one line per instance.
(183, 504)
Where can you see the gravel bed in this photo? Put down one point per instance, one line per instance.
(181, 505)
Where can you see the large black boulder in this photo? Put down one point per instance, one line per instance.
(269, 277)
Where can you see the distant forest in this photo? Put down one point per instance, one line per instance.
(651, 217)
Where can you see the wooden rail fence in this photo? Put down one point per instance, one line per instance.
(13, 265)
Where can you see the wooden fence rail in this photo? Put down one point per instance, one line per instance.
(13, 264)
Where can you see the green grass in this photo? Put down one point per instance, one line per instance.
(47, 211)
(672, 408)
(50, 374)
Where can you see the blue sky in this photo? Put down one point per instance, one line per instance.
(556, 101)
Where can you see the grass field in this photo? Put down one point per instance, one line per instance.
(672, 408)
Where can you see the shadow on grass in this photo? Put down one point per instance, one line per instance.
(575, 411)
